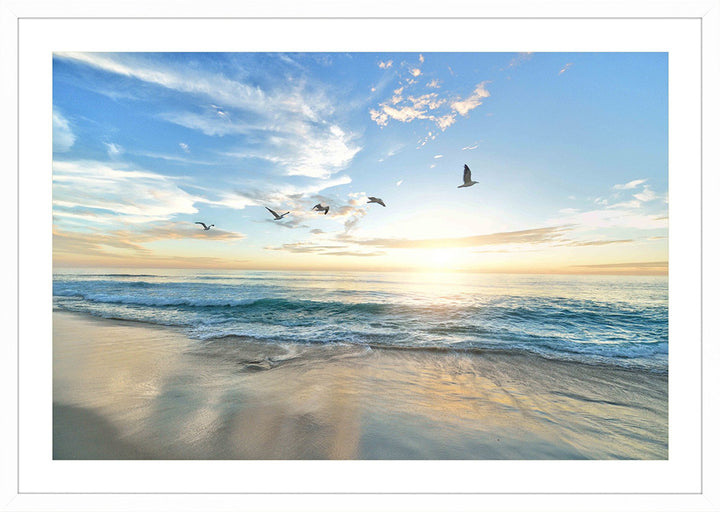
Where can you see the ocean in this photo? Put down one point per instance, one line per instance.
(618, 321)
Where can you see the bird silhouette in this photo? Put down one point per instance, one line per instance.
(320, 208)
(277, 217)
(467, 181)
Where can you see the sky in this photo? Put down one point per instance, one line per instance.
(569, 150)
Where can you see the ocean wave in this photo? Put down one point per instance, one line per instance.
(627, 328)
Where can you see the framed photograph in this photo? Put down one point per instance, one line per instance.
(360, 258)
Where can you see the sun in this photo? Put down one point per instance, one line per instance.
(442, 259)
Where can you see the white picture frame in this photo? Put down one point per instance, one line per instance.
(688, 31)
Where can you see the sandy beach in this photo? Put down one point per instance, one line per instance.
(127, 390)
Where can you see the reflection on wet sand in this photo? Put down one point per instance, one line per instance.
(148, 392)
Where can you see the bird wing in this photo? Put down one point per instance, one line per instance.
(466, 174)
(274, 214)
(381, 202)
(202, 223)
(327, 209)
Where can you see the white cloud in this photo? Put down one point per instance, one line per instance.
(114, 191)
(627, 214)
(415, 107)
(392, 152)
(518, 59)
(216, 86)
(385, 65)
(317, 155)
(113, 149)
(209, 125)
(430, 136)
(403, 114)
(63, 137)
(292, 124)
(381, 118)
(469, 148)
(301, 148)
(565, 68)
(445, 121)
(629, 185)
(430, 106)
(429, 101)
(438, 156)
(463, 107)
(421, 58)
(399, 182)
(184, 147)
(646, 195)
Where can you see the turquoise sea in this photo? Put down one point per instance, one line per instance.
(600, 320)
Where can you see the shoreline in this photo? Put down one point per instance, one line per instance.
(132, 390)
(377, 347)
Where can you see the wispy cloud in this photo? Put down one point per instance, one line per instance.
(586, 243)
(119, 247)
(214, 86)
(629, 185)
(633, 267)
(463, 107)
(294, 197)
(184, 147)
(430, 106)
(391, 152)
(519, 59)
(646, 195)
(63, 137)
(527, 236)
(634, 213)
(385, 65)
(323, 250)
(115, 191)
(172, 158)
(565, 68)
(469, 148)
(291, 122)
(113, 149)
(98, 242)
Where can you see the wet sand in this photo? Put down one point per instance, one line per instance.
(127, 390)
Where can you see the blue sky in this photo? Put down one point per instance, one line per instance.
(569, 151)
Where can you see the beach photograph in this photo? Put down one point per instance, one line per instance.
(360, 256)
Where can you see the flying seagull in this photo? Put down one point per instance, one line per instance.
(377, 200)
(467, 182)
(277, 217)
(320, 208)
(205, 227)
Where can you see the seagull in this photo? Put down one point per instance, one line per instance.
(467, 182)
(204, 226)
(320, 208)
(277, 217)
(377, 200)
